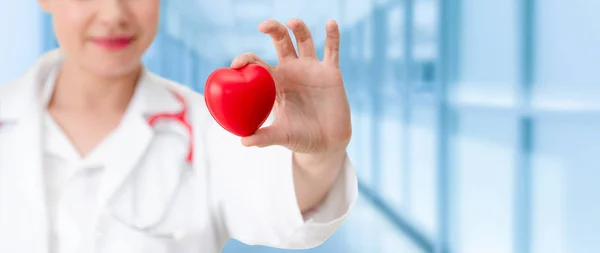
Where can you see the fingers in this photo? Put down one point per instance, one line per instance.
(304, 40)
(306, 47)
(264, 137)
(332, 44)
(249, 58)
(281, 39)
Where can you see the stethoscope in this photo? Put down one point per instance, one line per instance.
(180, 117)
(148, 229)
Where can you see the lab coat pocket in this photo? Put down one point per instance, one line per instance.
(184, 228)
(121, 237)
(124, 238)
(132, 225)
(172, 221)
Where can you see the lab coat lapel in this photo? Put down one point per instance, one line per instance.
(151, 97)
(31, 178)
(25, 223)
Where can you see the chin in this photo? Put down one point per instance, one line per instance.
(114, 70)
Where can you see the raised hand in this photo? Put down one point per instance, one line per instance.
(312, 113)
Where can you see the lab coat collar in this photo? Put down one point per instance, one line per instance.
(17, 97)
(33, 89)
(23, 102)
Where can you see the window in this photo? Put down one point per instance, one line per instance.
(483, 181)
(567, 53)
(565, 95)
(488, 53)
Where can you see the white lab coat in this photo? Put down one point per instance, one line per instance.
(230, 192)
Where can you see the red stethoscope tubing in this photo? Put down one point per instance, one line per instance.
(180, 117)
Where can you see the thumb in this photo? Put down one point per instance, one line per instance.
(266, 136)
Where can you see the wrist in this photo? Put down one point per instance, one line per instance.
(318, 163)
(315, 174)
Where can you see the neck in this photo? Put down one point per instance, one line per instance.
(79, 90)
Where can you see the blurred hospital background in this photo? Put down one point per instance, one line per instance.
(475, 121)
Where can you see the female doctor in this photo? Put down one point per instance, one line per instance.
(99, 155)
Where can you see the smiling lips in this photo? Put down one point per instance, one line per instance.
(113, 43)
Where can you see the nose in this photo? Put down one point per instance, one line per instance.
(113, 13)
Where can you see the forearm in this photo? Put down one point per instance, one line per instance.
(315, 175)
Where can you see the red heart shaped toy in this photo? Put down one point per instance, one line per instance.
(240, 100)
